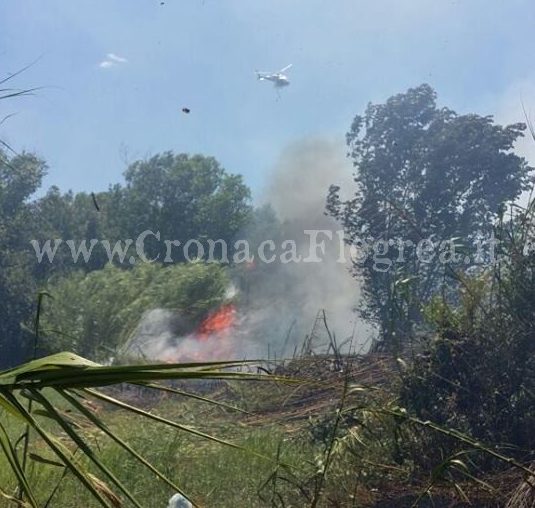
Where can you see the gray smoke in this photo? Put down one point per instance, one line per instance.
(292, 295)
(301, 178)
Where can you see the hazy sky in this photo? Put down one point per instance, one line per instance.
(98, 112)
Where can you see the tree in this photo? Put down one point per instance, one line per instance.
(75, 217)
(20, 177)
(183, 197)
(421, 172)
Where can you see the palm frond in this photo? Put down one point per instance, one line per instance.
(75, 379)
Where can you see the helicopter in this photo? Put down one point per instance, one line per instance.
(279, 79)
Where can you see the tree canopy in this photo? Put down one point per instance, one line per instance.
(422, 172)
(180, 196)
(185, 197)
(20, 177)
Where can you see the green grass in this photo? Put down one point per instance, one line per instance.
(213, 474)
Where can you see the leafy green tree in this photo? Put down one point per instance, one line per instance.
(421, 172)
(75, 217)
(180, 197)
(20, 177)
(183, 197)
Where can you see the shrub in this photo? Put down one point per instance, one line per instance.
(91, 314)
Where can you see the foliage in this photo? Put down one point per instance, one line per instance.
(71, 379)
(92, 314)
(183, 197)
(20, 177)
(422, 172)
(178, 197)
(71, 216)
(477, 374)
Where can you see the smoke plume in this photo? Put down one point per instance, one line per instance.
(297, 191)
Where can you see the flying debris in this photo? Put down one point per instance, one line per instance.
(94, 198)
(279, 79)
(186, 110)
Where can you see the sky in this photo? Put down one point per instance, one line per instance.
(96, 113)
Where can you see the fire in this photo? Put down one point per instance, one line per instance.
(217, 322)
(212, 340)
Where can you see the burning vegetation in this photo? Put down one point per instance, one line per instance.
(218, 323)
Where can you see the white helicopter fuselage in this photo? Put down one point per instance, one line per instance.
(279, 79)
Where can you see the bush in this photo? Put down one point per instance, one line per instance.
(91, 314)
(478, 373)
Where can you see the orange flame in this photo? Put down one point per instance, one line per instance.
(217, 322)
